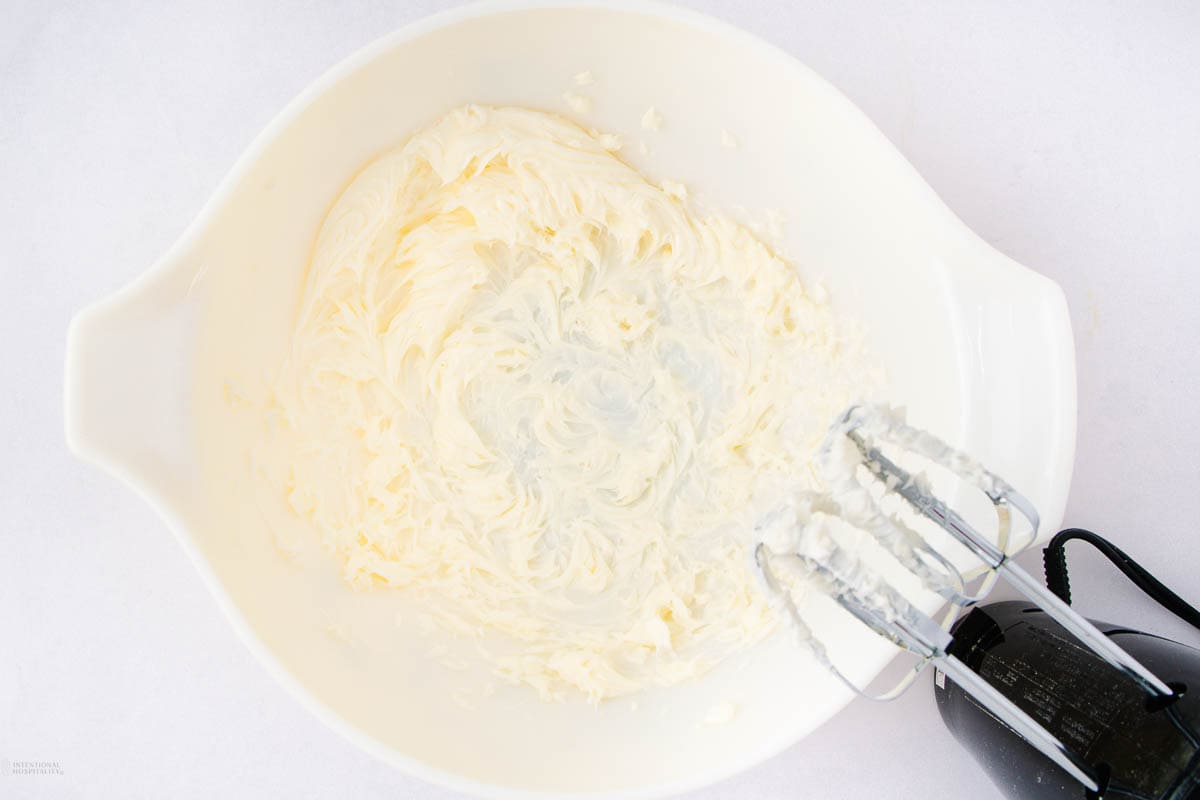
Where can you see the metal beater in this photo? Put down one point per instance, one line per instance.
(859, 463)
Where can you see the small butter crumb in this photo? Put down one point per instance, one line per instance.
(584, 78)
(578, 102)
(338, 632)
(652, 120)
(675, 189)
(609, 141)
(643, 149)
(721, 714)
(285, 550)
(633, 705)
(728, 140)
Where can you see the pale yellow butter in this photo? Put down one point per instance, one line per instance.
(541, 393)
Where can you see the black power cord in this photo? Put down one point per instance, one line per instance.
(1057, 581)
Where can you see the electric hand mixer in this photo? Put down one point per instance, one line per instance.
(1051, 705)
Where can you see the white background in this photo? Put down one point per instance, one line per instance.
(1065, 133)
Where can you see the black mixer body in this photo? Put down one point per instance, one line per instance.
(1140, 747)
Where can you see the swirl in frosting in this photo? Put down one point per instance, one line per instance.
(542, 393)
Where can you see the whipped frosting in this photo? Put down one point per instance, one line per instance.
(545, 395)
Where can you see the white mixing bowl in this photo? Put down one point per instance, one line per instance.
(978, 348)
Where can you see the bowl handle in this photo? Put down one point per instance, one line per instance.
(1026, 358)
(128, 384)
